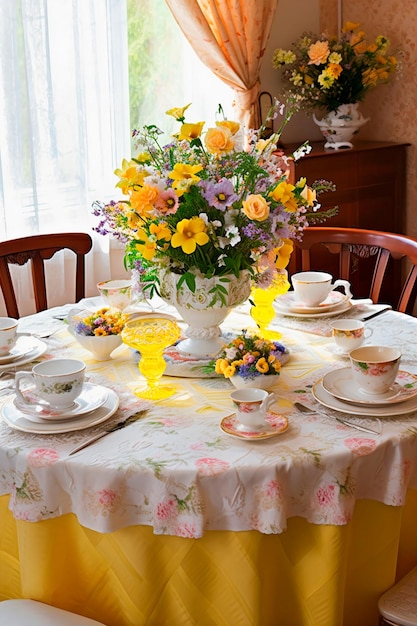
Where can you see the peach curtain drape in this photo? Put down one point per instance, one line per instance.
(230, 38)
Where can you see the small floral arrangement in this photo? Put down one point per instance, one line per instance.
(105, 321)
(250, 356)
(204, 204)
(326, 72)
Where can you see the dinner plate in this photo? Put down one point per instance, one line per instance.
(287, 302)
(340, 308)
(91, 397)
(391, 410)
(276, 424)
(37, 348)
(340, 383)
(19, 421)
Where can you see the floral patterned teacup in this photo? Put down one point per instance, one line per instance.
(251, 407)
(349, 334)
(8, 328)
(116, 293)
(57, 383)
(375, 368)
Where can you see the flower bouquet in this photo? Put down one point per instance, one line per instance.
(206, 216)
(211, 202)
(250, 360)
(323, 72)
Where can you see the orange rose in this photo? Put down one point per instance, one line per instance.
(255, 207)
(318, 53)
(219, 140)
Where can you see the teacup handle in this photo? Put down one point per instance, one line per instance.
(270, 399)
(345, 284)
(367, 332)
(20, 377)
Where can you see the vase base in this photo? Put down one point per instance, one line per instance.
(338, 145)
(201, 348)
(155, 393)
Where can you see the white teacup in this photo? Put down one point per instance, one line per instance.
(312, 288)
(375, 368)
(349, 334)
(58, 382)
(251, 406)
(117, 293)
(8, 330)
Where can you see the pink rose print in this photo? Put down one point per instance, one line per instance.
(167, 509)
(211, 467)
(326, 495)
(360, 446)
(268, 495)
(41, 457)
(107, 498)
(186, 530)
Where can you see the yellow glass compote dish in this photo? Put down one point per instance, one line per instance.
(150, 335)
(263, 311)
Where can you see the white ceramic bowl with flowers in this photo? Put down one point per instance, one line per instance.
(251, 361)
(97, 331)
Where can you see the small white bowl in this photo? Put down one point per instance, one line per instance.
(100, 347)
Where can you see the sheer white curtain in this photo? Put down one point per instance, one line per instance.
(64, 122)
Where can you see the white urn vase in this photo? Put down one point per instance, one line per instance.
(205, 308)
(339, 126)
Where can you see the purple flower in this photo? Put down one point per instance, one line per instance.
(219, 195)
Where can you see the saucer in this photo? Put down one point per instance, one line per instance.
(18, 421)
(342, 307)
(340, 383)
(276, 424)
(387, 410)
(20, 349)
(35, 348)
(288, 302)
(91, 397)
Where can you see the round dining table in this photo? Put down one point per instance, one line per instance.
(177, 520)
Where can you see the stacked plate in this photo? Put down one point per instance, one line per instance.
(26, 349)
(334, 304)
(337, 390)
(94, 405)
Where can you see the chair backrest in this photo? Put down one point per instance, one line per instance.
(381, 247)
(36, 249)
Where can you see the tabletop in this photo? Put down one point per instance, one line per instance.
(176, 470)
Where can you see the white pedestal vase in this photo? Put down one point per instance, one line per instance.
(339, 126)
(205, 308)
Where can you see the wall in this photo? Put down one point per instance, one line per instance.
(392, 108)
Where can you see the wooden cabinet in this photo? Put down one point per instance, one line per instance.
(370, 181)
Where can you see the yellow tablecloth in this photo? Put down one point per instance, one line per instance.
(311, 575)
(308, 575)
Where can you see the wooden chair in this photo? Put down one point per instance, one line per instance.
(381, 250)
(37, 249)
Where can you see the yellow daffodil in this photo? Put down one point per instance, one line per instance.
(178, 112)
(185, 172)
(129, 175)
(283, 193)
(157, 232)
(190, 131)
(189, 234)
(283, 254)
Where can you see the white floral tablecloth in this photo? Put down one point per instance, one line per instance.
(177, 471)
